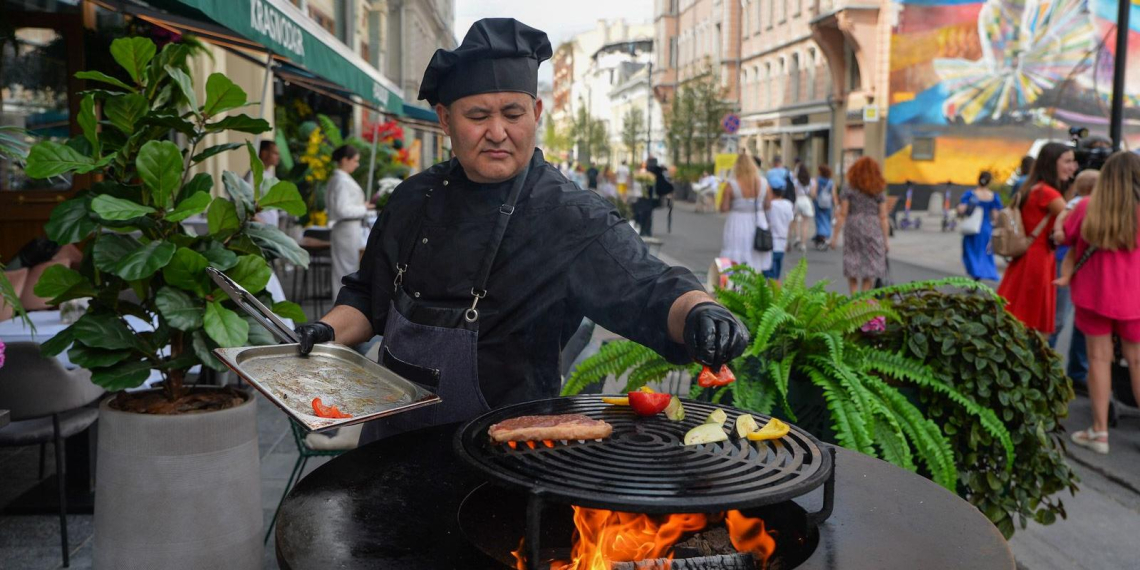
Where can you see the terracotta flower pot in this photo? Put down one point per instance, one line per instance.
(178, 491)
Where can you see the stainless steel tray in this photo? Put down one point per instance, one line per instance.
(336, 374)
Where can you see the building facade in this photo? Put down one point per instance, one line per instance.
(785, 86)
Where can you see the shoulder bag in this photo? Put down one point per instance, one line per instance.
(762, 239)
(972, 223)
(1009, 237)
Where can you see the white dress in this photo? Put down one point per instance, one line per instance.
(744, 216)
(804, 206)
(346, 207)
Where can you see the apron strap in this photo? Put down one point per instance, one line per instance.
(480, 289)
(409, 245)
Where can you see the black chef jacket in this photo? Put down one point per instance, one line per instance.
(566, 254)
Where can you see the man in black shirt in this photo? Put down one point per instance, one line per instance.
(481, 268)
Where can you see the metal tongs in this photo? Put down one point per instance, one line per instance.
(260, 313)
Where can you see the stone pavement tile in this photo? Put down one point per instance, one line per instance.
(32, 541)
(1122, 464)
(1100, 533)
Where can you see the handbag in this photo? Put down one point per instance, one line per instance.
(884, 280)
(762, 239)
(1009, 237)
(972, 224)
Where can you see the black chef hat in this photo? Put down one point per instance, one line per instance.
(498, 54)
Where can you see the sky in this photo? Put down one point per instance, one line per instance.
(561, 20)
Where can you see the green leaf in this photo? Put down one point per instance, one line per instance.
(289, 310)
(70, 222)
(122, 376)
(104, 78)
(179, 309)
(185, 85)
(89, 358)
(240, 192)
(201, 182)
(88, 122)
(47, 159)
(170, 121)
(103, 331)
(110, 249)
(193, 205)
(284, 196)
(133, 54)
(160, 166)
(58, 343)
(201, 347)
(276, 244)
(222, 218)
(216, 149)
(186, 271)
(219, 257)
(257, 169)
(258, 336)
(221, 95)
(224, 326)
(144, 261)
(59, 283)
(251, 272)
(117, 209)
(283, 149)
(125, 110)
(240, 123)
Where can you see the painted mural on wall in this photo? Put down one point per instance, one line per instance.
(987, 80)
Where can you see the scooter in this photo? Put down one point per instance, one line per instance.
(908, 223)
(949, 217)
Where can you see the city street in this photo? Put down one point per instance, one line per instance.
(1104, 517)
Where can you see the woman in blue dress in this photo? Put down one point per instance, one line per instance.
(977, 255)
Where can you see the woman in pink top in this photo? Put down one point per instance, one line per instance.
(1106, 227)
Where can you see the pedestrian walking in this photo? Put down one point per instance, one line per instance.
(865, 226)
(747, 202)
(977, 252)
(607, 184)
(347, 206)
(804, 210)
(1028, 281)
(825, 196)
(780, 215)
(1017, 179)
(623, 178)
(1077, 366)
(777, 175)
(1104, 230)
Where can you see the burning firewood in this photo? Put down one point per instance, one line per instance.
(717, 562)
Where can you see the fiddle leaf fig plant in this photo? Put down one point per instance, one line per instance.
(152, 306)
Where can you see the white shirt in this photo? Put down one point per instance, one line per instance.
(345, 199)
(708, 183)
(623, 174)
(779, 218)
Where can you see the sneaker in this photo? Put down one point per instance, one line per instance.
(1094, 440)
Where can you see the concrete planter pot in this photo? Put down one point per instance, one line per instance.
(178, 492)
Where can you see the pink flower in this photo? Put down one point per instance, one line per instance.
(877, 324)
(2, 354)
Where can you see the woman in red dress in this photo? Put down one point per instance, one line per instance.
(1028, 281)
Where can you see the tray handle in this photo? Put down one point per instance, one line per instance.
(253, 307)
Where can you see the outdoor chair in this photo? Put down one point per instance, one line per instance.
(313, 445)
(48, 403)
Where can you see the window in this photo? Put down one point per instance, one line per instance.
(746, 24)
(759, 15)
(854, 77)
(34, 65)
(799, 6)
(768, 86)
(323, 20)
(812, 64)
(783, 10)
(365, 53)
(771, 13)
(781, 81)
(673, 52)
(795, 77)
(922, 148)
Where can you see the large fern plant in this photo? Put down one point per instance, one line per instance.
(808, 335)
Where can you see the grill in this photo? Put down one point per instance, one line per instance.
(643, 467)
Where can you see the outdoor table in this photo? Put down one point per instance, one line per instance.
(394, 503)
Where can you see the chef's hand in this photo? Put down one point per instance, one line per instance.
(713, 336)
(314, 333)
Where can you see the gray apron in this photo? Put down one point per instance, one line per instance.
(437, 345)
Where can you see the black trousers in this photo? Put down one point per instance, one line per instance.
(643, 215)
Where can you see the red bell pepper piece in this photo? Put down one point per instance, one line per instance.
(323, 411)
(708, 379)
(647, 404)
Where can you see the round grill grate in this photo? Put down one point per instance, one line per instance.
(643, 467)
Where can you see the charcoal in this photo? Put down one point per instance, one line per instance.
(739, 561)
(709, 542)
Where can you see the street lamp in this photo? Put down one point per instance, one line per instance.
(649, 111)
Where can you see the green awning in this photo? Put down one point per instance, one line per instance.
(283, 29)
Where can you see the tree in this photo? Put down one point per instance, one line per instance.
(710, 107)
(681, 124)
(589, 134)
(555, 140)
(633, 131)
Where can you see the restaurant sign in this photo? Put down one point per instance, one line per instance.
(277, 26)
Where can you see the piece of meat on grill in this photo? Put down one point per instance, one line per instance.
(539, 428)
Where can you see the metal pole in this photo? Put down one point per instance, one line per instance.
(649, 114)
(264, 94)
(1124, 9)
(372, 166)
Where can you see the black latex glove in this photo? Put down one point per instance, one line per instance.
(713, 336)
(314, 333)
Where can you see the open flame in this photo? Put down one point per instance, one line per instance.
(604, 537)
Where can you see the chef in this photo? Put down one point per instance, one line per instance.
(481, 268)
